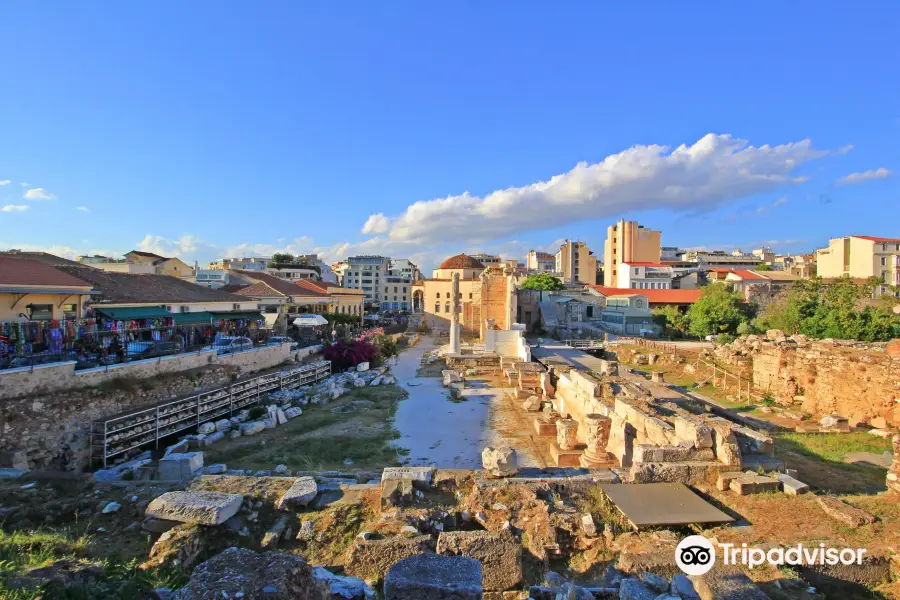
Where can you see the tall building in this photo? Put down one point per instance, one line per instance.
(576, 263)
(487, 260)
(540, 262)
(861, 257)
(370, 274)
(628, 242)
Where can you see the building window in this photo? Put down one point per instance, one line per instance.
(883, 261)
(447, 307)
(437, 307)
(637, 271)
(470, 295)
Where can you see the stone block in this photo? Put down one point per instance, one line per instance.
(532, 404)
(434, 577)
(657, 377)
(834, 423)
(751, 483)
(206, 428)
(658, 431)
(500, 462)
(566, 458)
(397, 492)
(723, 482)
(371, 559)
(293, 412)
(544, 427)
(634, 589)
(202, 508)
(500, 555)
(649, 453)
(727, 582)
(178, 448)
(223, 425)
(362, 367)
(17, 460)
(302, 492)
(792, 487)
(839, 510)
(754, 442)
(421, 477)
(696, 433)
(177, 467)
(252, 427)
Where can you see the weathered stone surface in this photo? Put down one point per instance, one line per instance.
(176, 467)
(724, 480)
(371, 559)
(682, 587)
(792, 487)
(500, 462)
(397, 492)
(181, 546)
(725, 443)
(597, 428)
(500, 555)
(649, 453)
(434, 577)
(273, 535)
(695, 433)
(635, 589)
(293, 412)
(203, 508)
(252, 427)
(243, 573)
(751, 483)
(726, 583)
(420, 476)
(206, 428)
(567, 434)
(839, 510)
(532, 404)
(302, 492)
(344, 588)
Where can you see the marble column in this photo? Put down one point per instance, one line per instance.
(567, 434)
(454, 316)
(597, 434)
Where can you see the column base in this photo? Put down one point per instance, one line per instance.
(567, 458)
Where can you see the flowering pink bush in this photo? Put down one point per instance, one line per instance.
(344, 356)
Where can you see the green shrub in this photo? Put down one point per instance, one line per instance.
(257, 412)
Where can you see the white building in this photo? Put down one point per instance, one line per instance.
(644, 276)
(254, 263)
(213, 278)
(540, 262)
(369, 274)
(403, 267)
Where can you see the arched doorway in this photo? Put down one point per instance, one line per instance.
(418, 301)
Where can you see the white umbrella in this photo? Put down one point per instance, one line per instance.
(310, 321)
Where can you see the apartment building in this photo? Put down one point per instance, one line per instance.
(645, 276)
(540, 262)
(861, 257)
(369, 274)
(576, 263)
(628, 242)
(488, 260)
(254, 263)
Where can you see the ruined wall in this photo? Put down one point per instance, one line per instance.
(53, 429)
(45, 379)
(852, 379)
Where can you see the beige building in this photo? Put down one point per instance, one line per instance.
(628, 242)
(860, 257)
(576, 263)
(484, 294)
(141, 263)
(30, 289)
(541, 262)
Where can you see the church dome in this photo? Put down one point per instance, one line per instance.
(461, 261)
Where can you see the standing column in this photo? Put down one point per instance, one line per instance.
(454, 316)
(598, 427)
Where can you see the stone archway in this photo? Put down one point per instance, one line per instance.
(418, 298)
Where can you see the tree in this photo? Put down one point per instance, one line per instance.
(719, 310)
(542, 282)
(280, 258)
(763, 267)
(671, 318)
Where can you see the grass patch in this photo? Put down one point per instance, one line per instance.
(833, 446)
(323, 438)
(21, 552)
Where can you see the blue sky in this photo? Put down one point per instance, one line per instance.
(204, 128)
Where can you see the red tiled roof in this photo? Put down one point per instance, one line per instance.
(654, 296)
(146, 289)
(24, 271)
(876, 239)
(147, 254)
(233, 287)
(461, 261)
(281, 285)
(313, 285)
(749, 275)
(260, 290)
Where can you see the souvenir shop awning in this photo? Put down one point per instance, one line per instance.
(194, 317)
(134, 312)
(234, 316)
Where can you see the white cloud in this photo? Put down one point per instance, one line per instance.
(38, 194)
(83, 208)
(186, 247)
(5, 181)
(25, 184)
(765, 209)
(714, 171)
(780, 201)
(300, 245)
(376, 224)
(881, 173)
(15, 208)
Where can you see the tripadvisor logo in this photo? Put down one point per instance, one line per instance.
(696, 555)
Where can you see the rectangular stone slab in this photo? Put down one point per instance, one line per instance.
(652, 504)
(792, 487)
(202, 508)
(421, 476)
